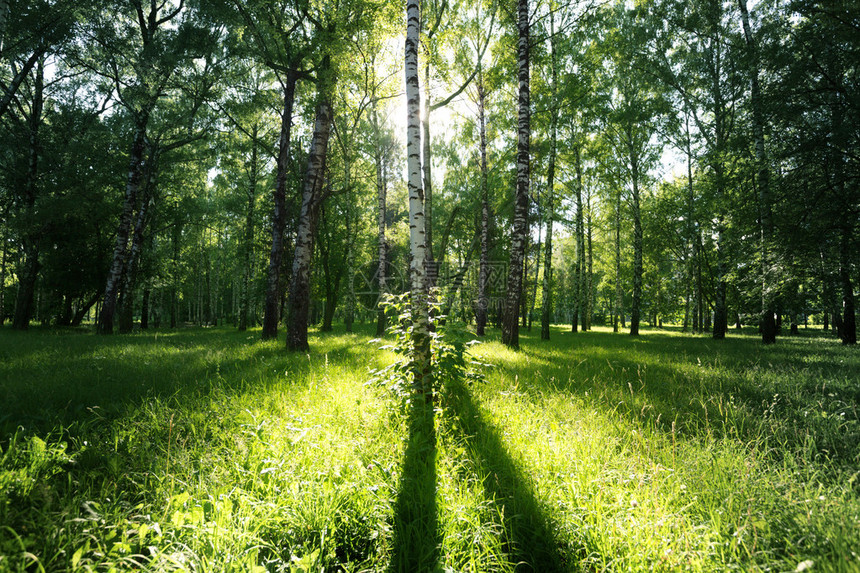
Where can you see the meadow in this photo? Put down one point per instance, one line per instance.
(208, 450)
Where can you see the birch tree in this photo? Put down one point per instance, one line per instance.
(768, 324)
(313, 195)
(419, 293)
(519, 230)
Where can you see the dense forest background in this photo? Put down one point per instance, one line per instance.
(209, 161)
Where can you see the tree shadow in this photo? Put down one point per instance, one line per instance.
(416, 525)
(529, 537)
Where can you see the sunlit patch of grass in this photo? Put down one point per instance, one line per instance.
(213, 449)
(207, 449)
(678, 453)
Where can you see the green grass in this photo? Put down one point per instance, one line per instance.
(206, 449)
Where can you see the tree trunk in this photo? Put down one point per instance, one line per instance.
(510, 325)
(768, 326)
(691, 229)
(546, 306)
(720, 310)
(298, 303)
(81, 312)
(849, 318)
(330, 279)
(426, 167)
(637, 243)
(525, 275)
(271, 316)
(580, 282)
(546, 310)
(4, 17)
(3, 254)
(483, 302)
(699, 317)
(144, 309)
(589, 277)
(174, 287)
(129, 277)
(720, 127)
(422, 375)
(349, 312)
(531, 310)
(30, 239)
(64, 318)
(619, 295)
(381, 242)
(120, 252)
(248, 249)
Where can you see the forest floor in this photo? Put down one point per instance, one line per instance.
(208, 450)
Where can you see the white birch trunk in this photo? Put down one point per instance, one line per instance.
(483, 301)
(422, 380)
(312, 196)
(510, 324)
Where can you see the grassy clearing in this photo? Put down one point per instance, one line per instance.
(209, 450)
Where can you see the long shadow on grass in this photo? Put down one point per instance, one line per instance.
(529, 537)
(416, 526)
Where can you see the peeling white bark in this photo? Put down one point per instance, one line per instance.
(417, 237)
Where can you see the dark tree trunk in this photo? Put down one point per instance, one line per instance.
(129, 278)
(144, 309)
(379, 156)
(271, 316)
(720, 311)
(26, 287)
(849, 318)
(331, 278)
(637, 243)
(546, 310)
(619, 295)
(580, 282)
(525, 278)
(349, 312)
(30, 239)
(589, 276)
(176, 235)
(65, 316)
(3, 254)
(79, 315)
(248, 247)
(328, 310)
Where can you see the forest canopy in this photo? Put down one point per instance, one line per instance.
(582, 163)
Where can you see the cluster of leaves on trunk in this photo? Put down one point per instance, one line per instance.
(449, 361)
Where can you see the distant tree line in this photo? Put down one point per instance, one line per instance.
(165, 162)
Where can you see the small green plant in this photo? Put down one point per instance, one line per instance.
(449, 360)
